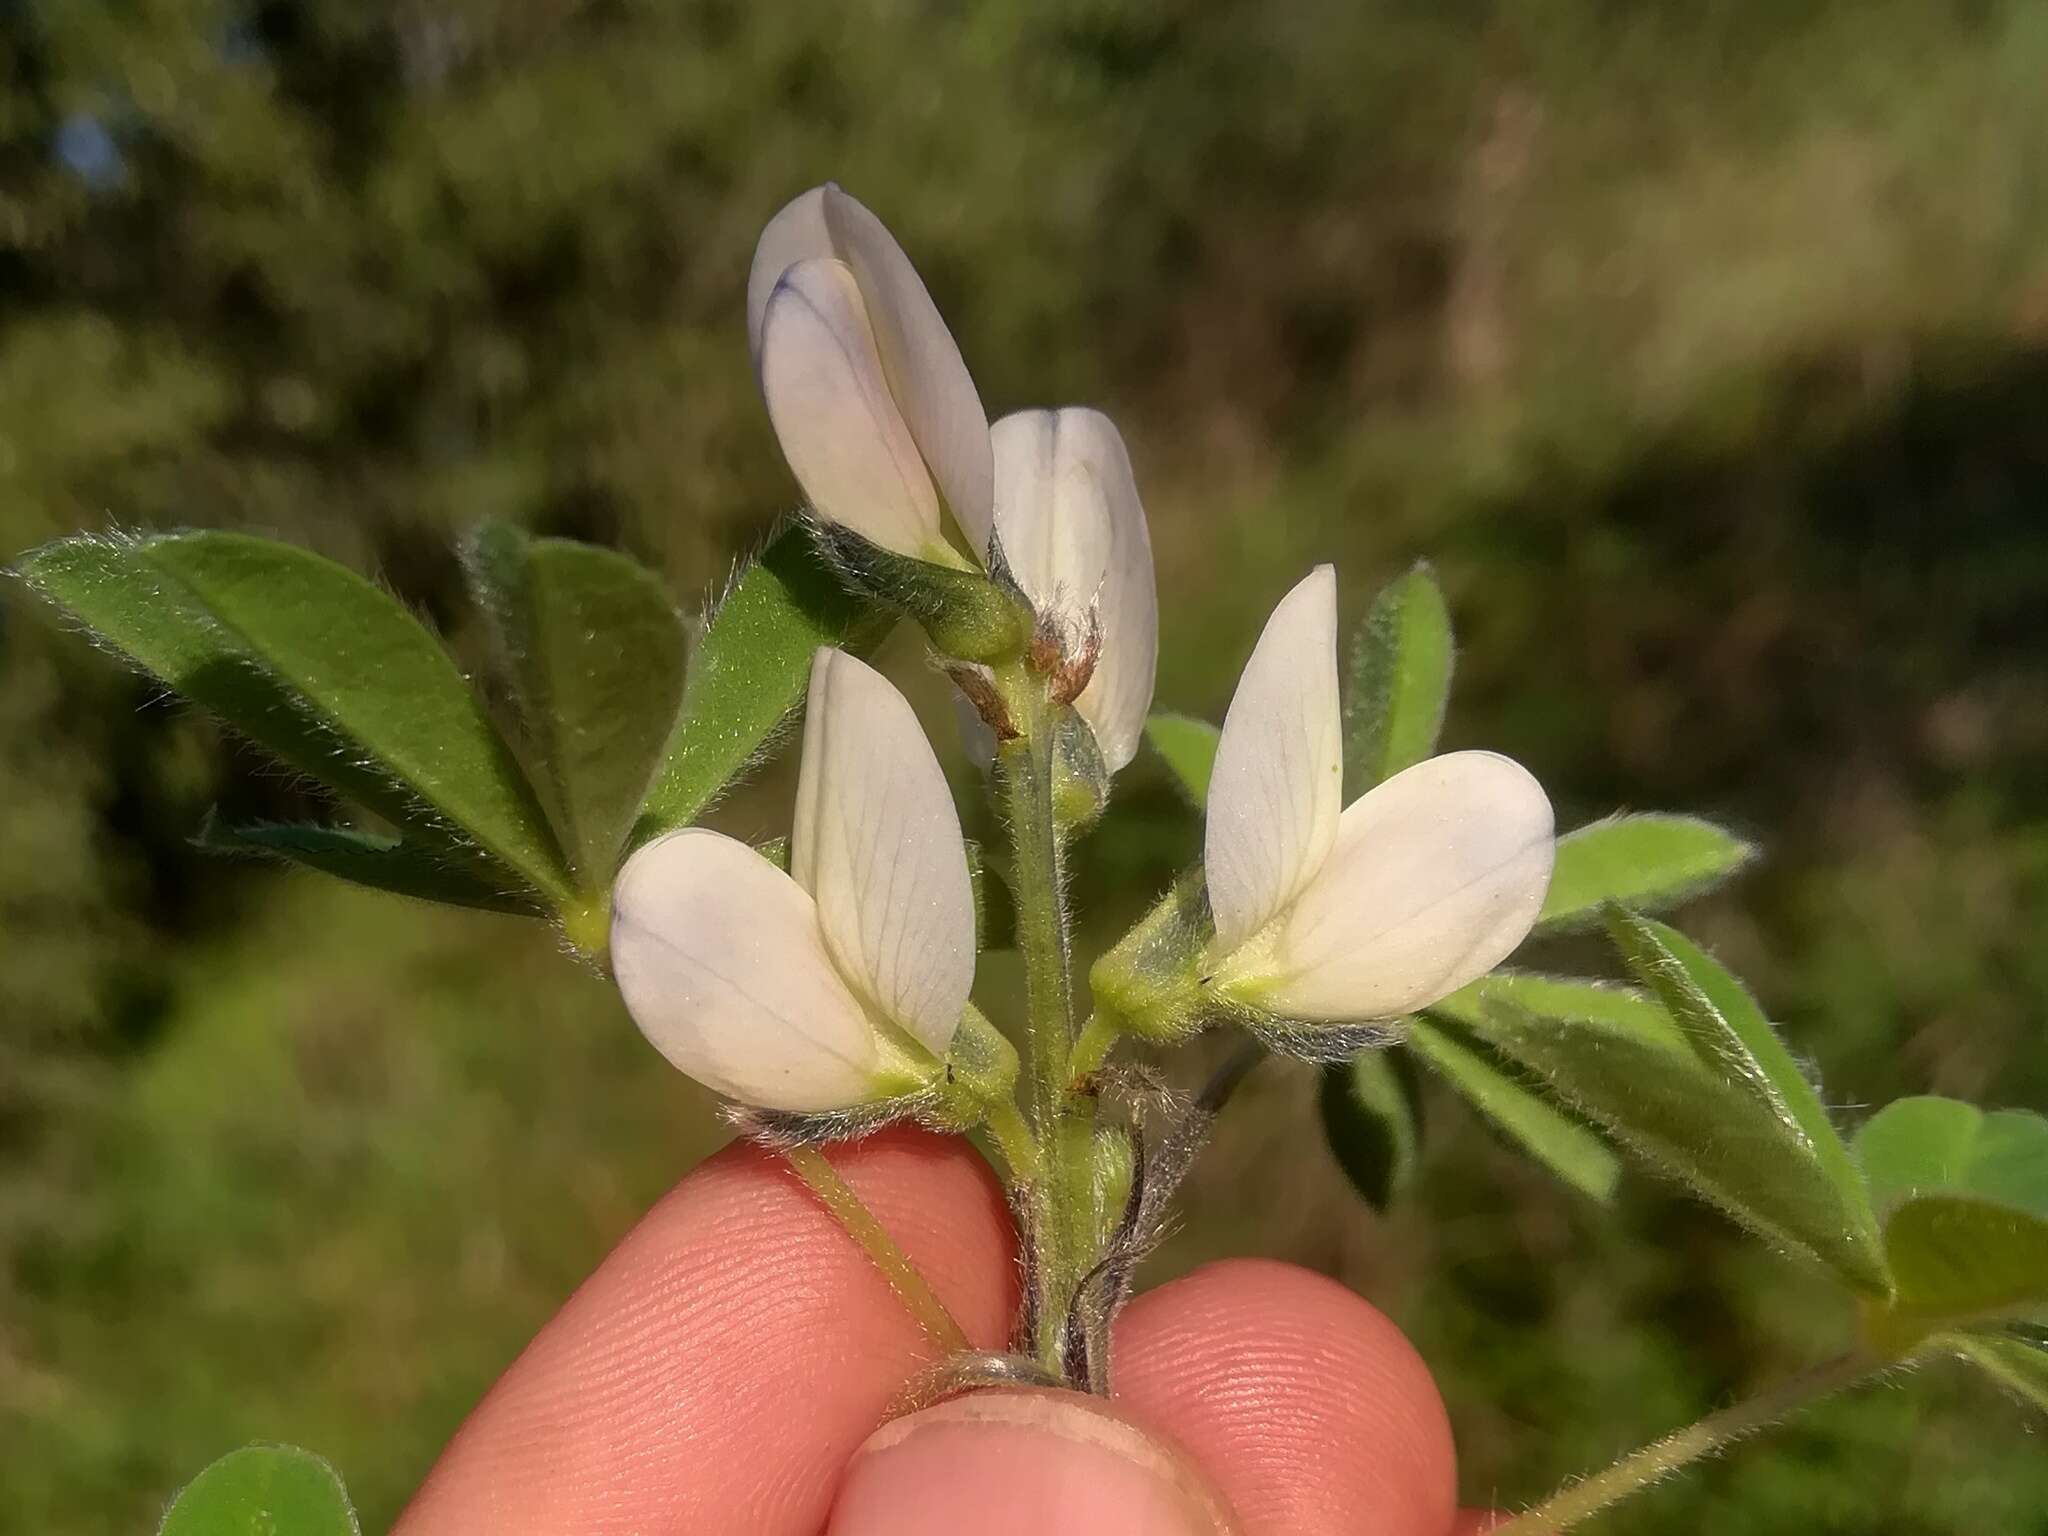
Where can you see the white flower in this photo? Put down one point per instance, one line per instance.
(873, 406)
(1073, 531)
(841, 982)
(1421, 885)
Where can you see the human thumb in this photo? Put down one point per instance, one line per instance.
(1015, 1463)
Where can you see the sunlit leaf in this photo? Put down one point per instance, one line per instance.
(591, 648)
(1564, 1146)
(320, 666)
(263, 1490)
(1733, 1038)
(1695, 1126)
(1372, 1121)
(405, 869)
(749, 671)
(1932, 1145)
(1649, 862)
(1188, 746)
(1399, 681)
(1602, 1004)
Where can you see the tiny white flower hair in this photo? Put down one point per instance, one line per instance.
(842, 982)
(1072, 530)
(869, 396)
(1331, 913)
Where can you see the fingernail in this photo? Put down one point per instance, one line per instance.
(1012, 1463)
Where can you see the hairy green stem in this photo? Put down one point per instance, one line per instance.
(1655, 1462)
(1060, 1120)
(838, 1197)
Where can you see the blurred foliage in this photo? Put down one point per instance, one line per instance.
(1702, 346)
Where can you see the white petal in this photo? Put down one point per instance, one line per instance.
(1279, 777)
(795, 234)
(877, 842)
(1073, 531)
(718, 955)
(834, 415)
(925, 370)
(1436, 876)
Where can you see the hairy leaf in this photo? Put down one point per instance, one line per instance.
(263, 1490)
(2016, 1361)
(1698, 1127)
(405, 869)
(1564, 1146)
(1598, 1004)
(1399, 681)
(1732, 1037)
(592, 650)
(315, 663)
(1651, 862)
(749, 671)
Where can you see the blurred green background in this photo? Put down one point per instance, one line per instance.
(1703, 344)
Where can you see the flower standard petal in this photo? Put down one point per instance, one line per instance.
(1278, 782)
(926, 372)
(838, 424)
(1436, 875)
(877, 843)
(1073, 531)
(796, 233)
(719, 958)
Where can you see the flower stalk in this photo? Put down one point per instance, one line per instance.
(1060, 1120)
(1654, 1462)
(861, 1224)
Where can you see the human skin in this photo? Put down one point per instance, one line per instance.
(731, 1367)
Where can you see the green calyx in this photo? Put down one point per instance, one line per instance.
(980, 1072)
(1151, 983)
(966, 615)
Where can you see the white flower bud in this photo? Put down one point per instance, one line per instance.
(843, 982)
(1073, 531)
(1421, 885)
(871, 401)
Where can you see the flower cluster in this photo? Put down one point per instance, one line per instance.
(843, 982)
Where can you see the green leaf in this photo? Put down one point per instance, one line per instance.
(1650, 862)
(405, 869)
(1372, 1120)
(315, 663)
(1599, 1004)
(1957, 1258)
(1399, 683)
(592, 650)
(263, 1490)
(1943, 1146)
(1189, 747)
(2018, 1362)
(1567, 1148)
(1732, 1037)
(1697, 1127)
(749, 671)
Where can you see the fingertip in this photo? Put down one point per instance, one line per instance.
(1020, 1463)
(719, 1367)
(1309, 1409)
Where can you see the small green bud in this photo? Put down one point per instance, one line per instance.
(1080, 784)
